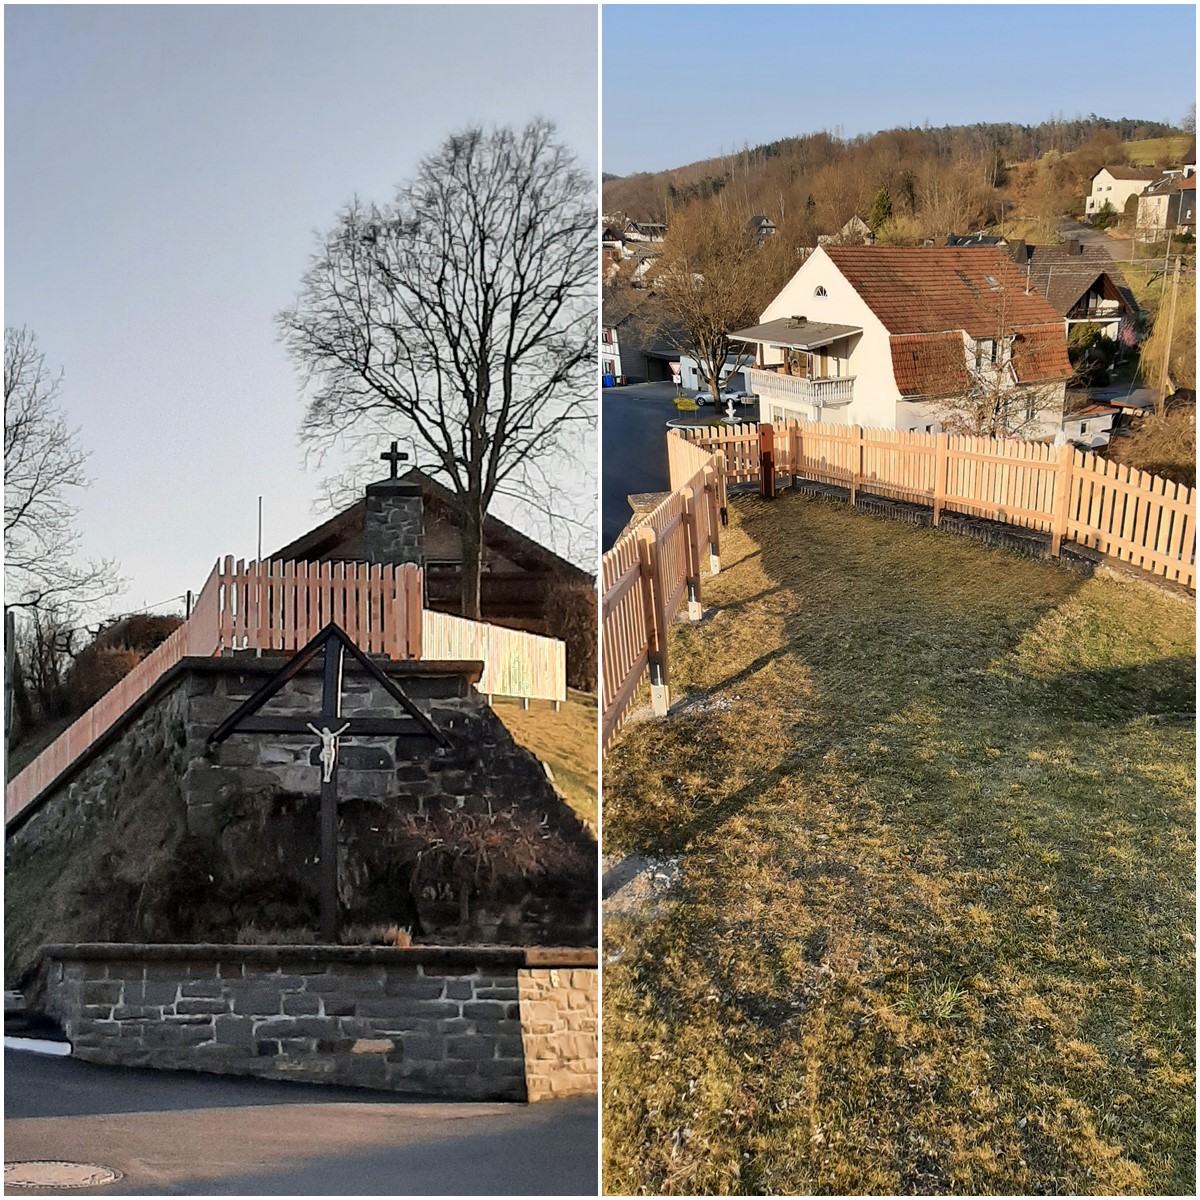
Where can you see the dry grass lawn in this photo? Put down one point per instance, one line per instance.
(934, 931)
(566, 740)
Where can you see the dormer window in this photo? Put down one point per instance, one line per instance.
(820, 292)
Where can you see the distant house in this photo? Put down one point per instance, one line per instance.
(1168, 205)
(1083, 284)
(1114, 186)
(855, 232)
(975, 239)
(874, 335)
(635, 357)
(1086, 423)
(761, 228)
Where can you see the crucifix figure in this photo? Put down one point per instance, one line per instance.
(395, 456)
(246, 719)
(328, 747)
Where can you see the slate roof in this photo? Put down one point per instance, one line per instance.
(941, 288)
(1064, 273)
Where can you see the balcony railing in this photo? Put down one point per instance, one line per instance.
(819, 393)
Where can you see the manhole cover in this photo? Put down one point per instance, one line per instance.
(40, 1174)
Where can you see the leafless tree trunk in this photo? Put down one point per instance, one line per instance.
(464, 313)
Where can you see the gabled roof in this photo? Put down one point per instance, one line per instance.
(1066, 272)
(943, 288)
(497, 535)
(1120, 171)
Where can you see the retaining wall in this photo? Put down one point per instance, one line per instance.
(478, 1023)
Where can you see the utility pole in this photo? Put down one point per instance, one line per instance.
(1161, 407)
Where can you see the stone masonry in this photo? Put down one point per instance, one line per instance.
(479, 1023)
(394, 523)
(559, 1009)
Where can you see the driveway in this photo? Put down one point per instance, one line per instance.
(177, 1133)
(1119, 249)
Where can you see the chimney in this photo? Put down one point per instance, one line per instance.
(1074, 246)
(394, 522)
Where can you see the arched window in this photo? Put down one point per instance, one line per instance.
(820, 293)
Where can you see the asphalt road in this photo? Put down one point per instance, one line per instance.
(178, 1133)
(634, 431)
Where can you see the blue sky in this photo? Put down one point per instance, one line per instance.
(686, 83)
(166, 169)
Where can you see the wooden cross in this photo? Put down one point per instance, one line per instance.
(329, 725)
(395, 456)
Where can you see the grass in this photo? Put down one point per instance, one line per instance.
(934, 930)
(1148, 151)
(566, 740)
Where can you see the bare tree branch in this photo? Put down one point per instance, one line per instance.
(463, 314)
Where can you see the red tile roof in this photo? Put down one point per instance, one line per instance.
(930, 364)
(942, 288)
(1040, 355)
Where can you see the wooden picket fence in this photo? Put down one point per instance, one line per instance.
(1130, 515)
(283, 605)
(515, 663)
(649, 573)
(279, 607)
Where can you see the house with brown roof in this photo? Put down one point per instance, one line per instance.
(879, 336)
(1168, 205)
(1114, 185)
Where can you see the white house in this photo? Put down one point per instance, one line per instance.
(1168, 205)
(1089, 424)
(1114, 186)
(868, 335)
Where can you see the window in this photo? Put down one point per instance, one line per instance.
(608, 367)
(607, 337)
(1083, 426)
(820, 292)
(928, 428)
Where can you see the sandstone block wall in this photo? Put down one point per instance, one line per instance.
(559, 1012)
(465, 1023)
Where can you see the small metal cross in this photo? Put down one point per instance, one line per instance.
(395, 456)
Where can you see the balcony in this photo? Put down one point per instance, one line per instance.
(816, 393)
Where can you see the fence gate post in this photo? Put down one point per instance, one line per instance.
(941, 476)
(722, 483)
(714, 536)
(766, 456)
(654, 599)
(1062, 497)
(688, 499)
(793, 434)
(856, 462)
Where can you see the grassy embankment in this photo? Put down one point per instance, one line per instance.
(933, 806)
(566, 740)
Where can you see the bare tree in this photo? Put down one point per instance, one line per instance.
(712, 277)
(43, 463)
(463, 313)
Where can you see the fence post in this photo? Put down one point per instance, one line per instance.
(793, 431)
(688, 499)
(856, 462)
(722, 485)
(1062, 496)
(656, 620)
(941, 476)
(714, 536)
(766, 457)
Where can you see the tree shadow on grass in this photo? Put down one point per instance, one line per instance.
(935, 858)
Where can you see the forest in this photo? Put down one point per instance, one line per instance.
(909, 184)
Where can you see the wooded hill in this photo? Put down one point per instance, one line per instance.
(926, 182)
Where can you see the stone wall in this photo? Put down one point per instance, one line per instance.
(157, 837)
(559, 1011)
(480, 1023)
